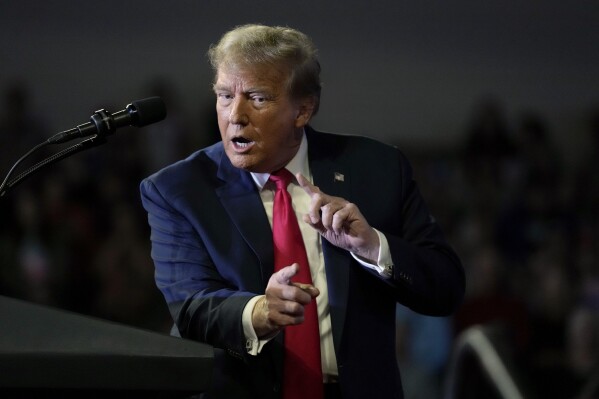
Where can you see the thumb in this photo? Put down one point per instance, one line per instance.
(284, 275)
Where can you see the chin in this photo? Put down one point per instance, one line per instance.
(242, 162)
(252, 163)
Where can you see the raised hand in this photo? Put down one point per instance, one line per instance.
(340, 222)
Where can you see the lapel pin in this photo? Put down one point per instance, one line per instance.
(339, 177)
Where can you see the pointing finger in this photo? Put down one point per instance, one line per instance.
(309, 288)
(304, 183)
(316, 196)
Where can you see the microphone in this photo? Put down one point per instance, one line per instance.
(103, 123)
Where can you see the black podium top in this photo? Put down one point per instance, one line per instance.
(48, 351)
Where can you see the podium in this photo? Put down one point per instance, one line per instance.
(50, 353)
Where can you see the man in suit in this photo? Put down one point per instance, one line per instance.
(212, 241)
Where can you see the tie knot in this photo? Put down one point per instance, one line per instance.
(281, 178)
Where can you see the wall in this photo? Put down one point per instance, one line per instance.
(406, 72)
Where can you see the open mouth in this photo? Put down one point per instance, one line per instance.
(242, 143)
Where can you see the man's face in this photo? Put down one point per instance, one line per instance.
(260, 125)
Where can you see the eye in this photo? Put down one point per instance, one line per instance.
(258, 99)
(224, 98)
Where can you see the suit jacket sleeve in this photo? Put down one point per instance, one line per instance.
(204, 306)
(426, 268)
(427, 276)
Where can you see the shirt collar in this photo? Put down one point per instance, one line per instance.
(298, 164)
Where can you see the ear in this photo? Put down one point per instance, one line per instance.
(304, 111)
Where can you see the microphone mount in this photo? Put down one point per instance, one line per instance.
(103, 123)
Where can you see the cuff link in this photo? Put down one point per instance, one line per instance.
(387, 271)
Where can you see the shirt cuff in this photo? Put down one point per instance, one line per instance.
(252, 343)
(384, 263)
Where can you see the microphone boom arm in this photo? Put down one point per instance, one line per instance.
(91, 142)
(103, 123)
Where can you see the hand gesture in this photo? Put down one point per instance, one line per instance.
(340, 222)
(283, 304)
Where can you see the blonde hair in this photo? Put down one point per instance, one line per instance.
(276, 46)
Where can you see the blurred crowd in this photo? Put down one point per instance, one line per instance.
(525, 224)
(74, 234)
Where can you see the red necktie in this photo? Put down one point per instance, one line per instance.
(302, 374)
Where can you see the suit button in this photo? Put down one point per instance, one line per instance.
(276, 388)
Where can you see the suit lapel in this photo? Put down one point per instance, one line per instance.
(334, 179)
(240, 198)
(242, 202)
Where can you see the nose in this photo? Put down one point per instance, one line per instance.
(238, 114)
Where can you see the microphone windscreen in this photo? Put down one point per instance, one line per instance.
(149, 110)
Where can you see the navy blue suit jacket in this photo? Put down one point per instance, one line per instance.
(212, 248)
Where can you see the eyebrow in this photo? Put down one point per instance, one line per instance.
(256, 89)
(216, 87)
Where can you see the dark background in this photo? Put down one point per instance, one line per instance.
(407, 72)
(496, 103)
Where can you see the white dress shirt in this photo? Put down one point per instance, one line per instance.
(312, 242)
